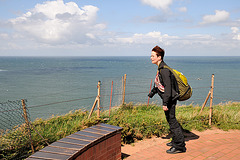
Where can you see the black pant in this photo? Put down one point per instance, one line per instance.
(178, 137)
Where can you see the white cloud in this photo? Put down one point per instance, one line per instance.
(57, 22)
(183, 9)
(167, 40)
(148, 38)
(57, 28)
(158, 4)
(220, 16)
(200, 36)
(234, 29)
(236, 34)
(4, 36)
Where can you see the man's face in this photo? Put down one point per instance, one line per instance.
(154, 58)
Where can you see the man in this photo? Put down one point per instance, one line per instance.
(167, 89)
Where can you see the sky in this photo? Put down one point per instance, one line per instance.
(119, 27)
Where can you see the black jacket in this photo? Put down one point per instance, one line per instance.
(170, 84)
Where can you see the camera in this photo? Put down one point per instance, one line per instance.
(153, 92)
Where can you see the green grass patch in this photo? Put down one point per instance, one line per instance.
(138, 122)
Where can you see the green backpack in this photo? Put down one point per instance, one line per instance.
(185, 91)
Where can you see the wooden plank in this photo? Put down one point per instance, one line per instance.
(81, 137)
(96, 131)
(98, 127)
(46, 155)
(110, 126)
(74, 141)
(66, 145)
(89, 134)
(52, 149)
(32, 158)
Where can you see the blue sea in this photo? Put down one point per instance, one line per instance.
(57, 85)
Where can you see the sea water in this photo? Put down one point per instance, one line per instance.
(57, 85)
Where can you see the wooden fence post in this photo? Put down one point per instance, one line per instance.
(209, 93)
(124, 88)
(149, 92)
(110, 99)
(97, 100)
(27, 123)
(211, 100)
(98, 111)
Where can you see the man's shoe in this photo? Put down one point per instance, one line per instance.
(174, 151)
(169, 144)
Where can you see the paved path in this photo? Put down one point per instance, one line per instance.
(210, 144)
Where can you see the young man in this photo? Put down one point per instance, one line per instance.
(167, 89)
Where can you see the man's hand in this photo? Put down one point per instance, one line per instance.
(165, 108)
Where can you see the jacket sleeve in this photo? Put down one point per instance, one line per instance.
(166, 78)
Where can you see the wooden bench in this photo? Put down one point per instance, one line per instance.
(99, 142)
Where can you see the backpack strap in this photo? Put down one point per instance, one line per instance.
(160, 76)
(159, 71)
(173, 79)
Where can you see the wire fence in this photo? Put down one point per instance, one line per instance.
(11, 114)
(14, 121)
(111, 95)
(114, 92)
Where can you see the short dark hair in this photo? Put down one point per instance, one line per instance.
(159, 51)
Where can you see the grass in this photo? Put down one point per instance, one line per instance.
(138, 122)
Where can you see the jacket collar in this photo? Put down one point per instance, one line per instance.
(161, 65)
